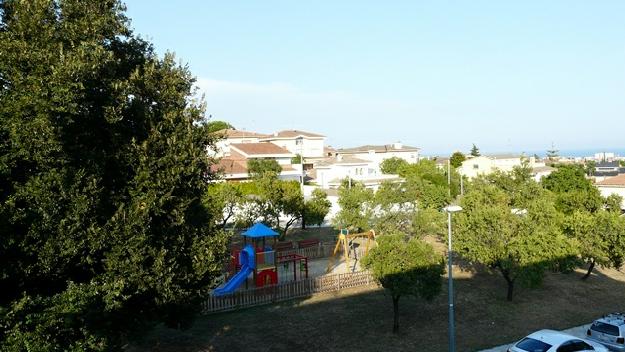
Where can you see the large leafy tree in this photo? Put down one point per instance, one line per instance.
(601, 237)
(456, 159)
(226, 200)
(405, 268)
(574, 191)
(277, 202)
(356, 203)
(102, 168)
(259, 167)
(392, 165)
(520, 245)
(316, 208)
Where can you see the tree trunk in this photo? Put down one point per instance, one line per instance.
(510, 290)
(303, 223)
(509, 281)
(592, 266)
(395, 314)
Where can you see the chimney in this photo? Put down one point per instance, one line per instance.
(397, 145)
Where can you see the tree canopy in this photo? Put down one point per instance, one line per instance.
(258, 167)
(102, 168)
(519, 245)
(457, 159)
(405, 268)
(475, 151)
(392, 165)
(356, 204)
(573, 190)
(216, 125)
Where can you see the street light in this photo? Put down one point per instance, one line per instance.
(450, 280)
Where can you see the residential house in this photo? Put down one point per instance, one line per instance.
(608, 168)
(310, 145)
(330, 172)
(232, 136)
(613, 185)
(234, 166)
(378, 153)
(483, 165)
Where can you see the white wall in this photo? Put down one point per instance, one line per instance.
(607, 190)
(310, 148)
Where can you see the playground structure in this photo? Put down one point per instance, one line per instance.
(347, 243)
(260, 260)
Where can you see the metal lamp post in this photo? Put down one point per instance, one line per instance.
(450, 280)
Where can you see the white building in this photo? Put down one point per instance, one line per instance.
(613, 185)
(330, 172)
(310, 145)
(483, 165)
(234, 166)
(378, 153)
(232, 136)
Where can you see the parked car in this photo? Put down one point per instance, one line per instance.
(609, 331)
(555, 341)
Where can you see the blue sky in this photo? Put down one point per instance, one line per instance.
(440, 75)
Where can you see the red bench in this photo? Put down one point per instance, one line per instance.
(283, 246)
(308, 243)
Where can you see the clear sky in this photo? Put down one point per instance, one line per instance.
(440, 75)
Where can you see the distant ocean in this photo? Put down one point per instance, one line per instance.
(573, 153)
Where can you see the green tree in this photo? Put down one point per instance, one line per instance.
(589, 167)
(519, 247)
(405, 268)
(356, 203)
(475, 151)
(392, 165)
(600, 236)
(393, 208)
(297, 159)
(102, 169)
(457, 159)
(278, 201)
(613, 203)
(258, 167)
(316, 208)
(214, 126)
(225, 199)
(552, 154)
(573, 190)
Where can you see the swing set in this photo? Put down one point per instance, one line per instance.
(347, 243)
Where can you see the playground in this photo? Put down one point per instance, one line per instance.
(259, 260)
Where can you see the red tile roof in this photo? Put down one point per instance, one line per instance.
(232, 133)
(295, 133)
(613, 181)
(230, 166)
(265, 148)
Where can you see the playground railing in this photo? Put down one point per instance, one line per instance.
(286, 291)
(321, 250)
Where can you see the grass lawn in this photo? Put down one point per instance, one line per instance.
(361, 319)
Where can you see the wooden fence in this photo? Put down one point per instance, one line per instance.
(322, 250)
(285, 291)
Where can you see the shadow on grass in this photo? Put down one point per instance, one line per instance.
(361, 320)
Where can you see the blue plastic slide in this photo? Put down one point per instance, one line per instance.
(248, 263)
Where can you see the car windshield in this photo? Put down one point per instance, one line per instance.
(605, 328)
(533, 345)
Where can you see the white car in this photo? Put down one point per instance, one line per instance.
(555, 341)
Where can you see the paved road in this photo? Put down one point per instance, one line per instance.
(579, 331)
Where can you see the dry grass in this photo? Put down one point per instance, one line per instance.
(361, 320)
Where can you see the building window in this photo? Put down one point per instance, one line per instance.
(299, 141)
(476, 166)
